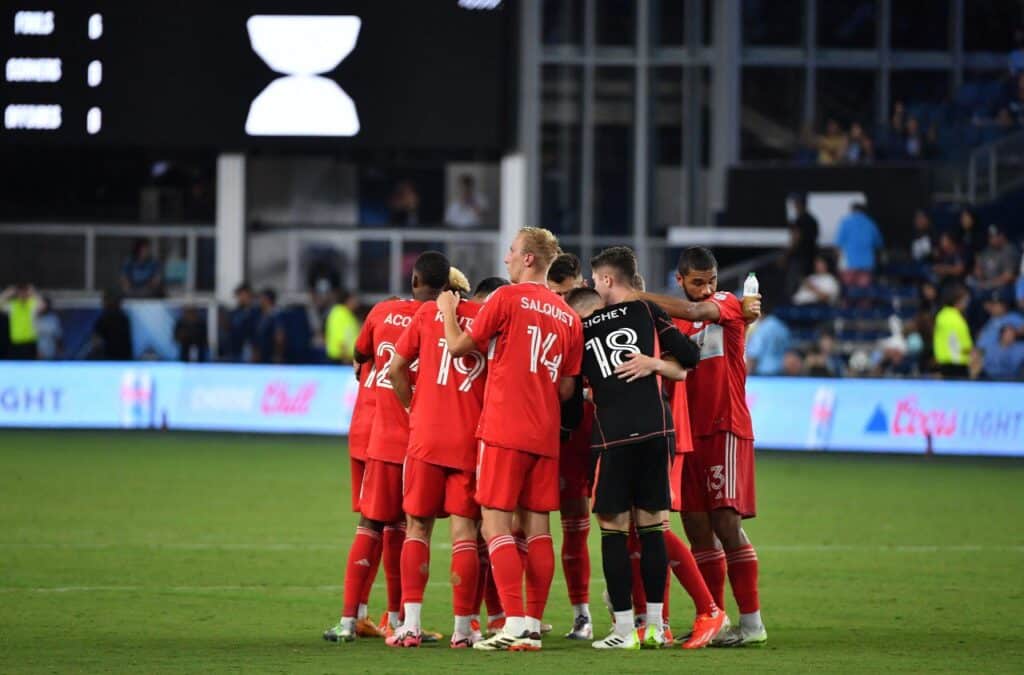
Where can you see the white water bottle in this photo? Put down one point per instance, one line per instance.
(750, 286)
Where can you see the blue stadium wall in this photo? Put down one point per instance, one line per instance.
(892, 416)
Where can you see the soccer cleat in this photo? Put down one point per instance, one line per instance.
(464, 641)
(431, 637)
(404, 638)
(546, 628)
(668, 634)
(582, 629)
(502, 641)
(705, 628)
(365, 628)
(616, 641)
(654, 638)
(740, 636)
(724, 633)
(342, 632)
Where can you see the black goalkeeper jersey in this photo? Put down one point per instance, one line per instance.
(628, 412)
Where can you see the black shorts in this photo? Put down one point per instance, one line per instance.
(634, 475)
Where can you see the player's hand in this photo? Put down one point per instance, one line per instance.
(447, 302)
(637, 366)
(751, 307)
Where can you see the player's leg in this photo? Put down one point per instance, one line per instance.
(538, 498)
(414, 566)
(382, 503)
(575, 511)
(499, 482)
(459, 502)
(615, 563)
(613, 502)
(737, 502)
(697, 481)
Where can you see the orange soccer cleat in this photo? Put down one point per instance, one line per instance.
(705, 628)
(365, 628)
(384, 627)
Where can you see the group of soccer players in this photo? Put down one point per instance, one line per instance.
(534, 396)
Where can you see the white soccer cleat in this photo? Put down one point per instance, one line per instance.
(742, 636)
(582, 629)
(654, 638)
(616, 641)
(724, 635)
(503, 641)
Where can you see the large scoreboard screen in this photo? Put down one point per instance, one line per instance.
(347, 73)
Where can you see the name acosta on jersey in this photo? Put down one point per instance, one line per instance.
(398, 320)
(547, 308)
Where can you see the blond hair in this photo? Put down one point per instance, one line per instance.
(457, 281)
(542, 244)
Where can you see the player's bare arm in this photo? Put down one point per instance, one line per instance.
(751, 307)
(681, 308)
(459, 342)
(400, 382)
(637, 366)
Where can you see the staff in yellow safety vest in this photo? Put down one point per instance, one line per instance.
(21, 303)
(952, 342)
(342, 328)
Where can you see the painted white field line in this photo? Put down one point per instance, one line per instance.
(312, 546)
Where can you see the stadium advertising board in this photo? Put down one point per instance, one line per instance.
(905, 416)
(898, 416)
(139, 395)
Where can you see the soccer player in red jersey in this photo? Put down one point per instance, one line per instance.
(537, 348)
(380, 499)
(358, 440)
(574, 479)
(718, 477)
(439, 476)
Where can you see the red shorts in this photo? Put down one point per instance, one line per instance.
(574, 477)
(357, 470)
(507, 479)
(675, 481)
(435, 491)
(719, 474)
(381, 496)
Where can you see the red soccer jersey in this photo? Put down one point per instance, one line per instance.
(680, 405)
(539, 341)
(389, 436)
(449, 391)
(362, 413)
(716, 389)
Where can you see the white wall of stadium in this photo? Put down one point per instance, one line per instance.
(890, 416)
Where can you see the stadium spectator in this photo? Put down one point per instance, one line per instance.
(807, 146)
(48, 330)
(923, 246)
(404, 204)
(792, 364)
(949, 263)
(1000, 316)
(858, 241)
(468, 207)
(832, 145)
(21, 303)
(916, 144)
(893, 135)
(971, 239)
(996, 267)
(803, 243)
(241, 325)
(859, 148)
(190, 334)
(820, 288)
(893, 360)
(112, 333)
(951, 342)
(824, 358)
(1005, 360)
(767, 342)
(140, 274)
(269, 339)
(342, 328)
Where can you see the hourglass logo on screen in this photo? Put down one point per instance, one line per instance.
(302, 102)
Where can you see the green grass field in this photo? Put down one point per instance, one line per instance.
(149, 553)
